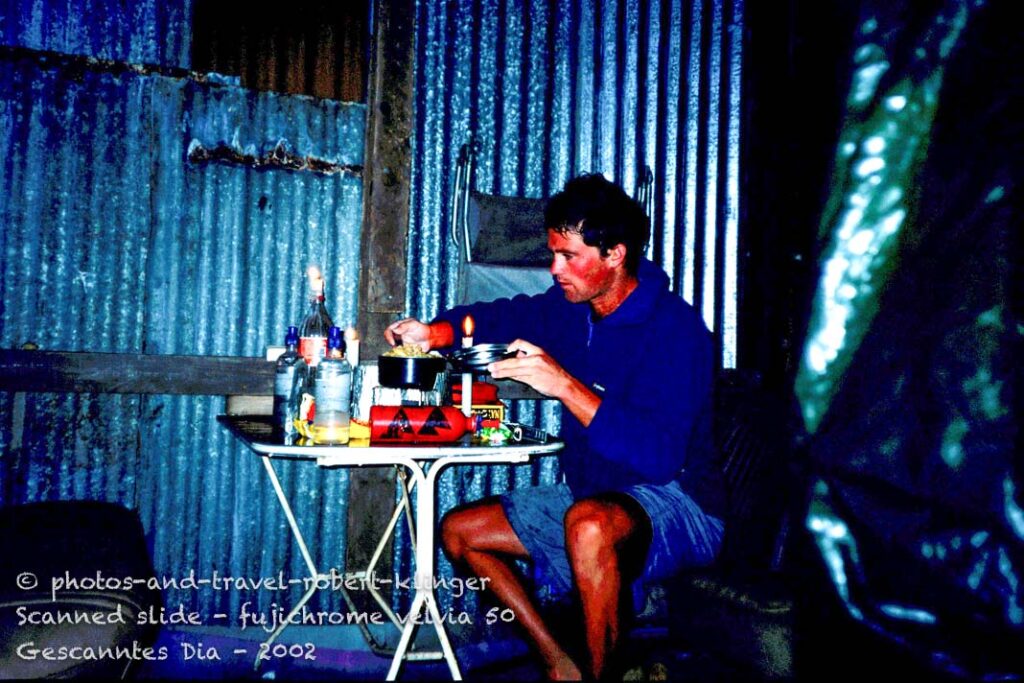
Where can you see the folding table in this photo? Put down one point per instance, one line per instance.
(424, 463)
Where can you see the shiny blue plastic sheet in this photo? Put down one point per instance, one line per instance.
(910, 370)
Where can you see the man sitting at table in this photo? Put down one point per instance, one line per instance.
(631, 363)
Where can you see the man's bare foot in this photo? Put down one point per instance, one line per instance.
(564, 670)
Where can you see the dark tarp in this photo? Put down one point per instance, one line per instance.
(910, 369)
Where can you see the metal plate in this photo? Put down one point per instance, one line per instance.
(477, 358)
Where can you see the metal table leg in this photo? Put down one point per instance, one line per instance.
(367, 575)
(316, 576)
(424, 600)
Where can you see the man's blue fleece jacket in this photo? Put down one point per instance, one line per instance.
(650, 362)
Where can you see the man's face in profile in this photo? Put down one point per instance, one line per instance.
(580, 270)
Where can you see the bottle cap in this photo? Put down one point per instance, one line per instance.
(292, 336)
(334, 340)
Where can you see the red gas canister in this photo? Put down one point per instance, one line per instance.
(483, 392)
(422, 424)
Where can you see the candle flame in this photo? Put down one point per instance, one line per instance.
(468, 326)
(316, 280)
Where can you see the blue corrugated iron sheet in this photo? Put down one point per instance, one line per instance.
(113, 241)
(554, 89)
(154, 32)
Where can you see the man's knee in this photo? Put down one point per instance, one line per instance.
(591, 527)
(453, 533)
(477, 526)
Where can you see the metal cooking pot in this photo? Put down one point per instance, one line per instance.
(409, 373)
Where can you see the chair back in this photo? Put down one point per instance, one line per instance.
(501, 238)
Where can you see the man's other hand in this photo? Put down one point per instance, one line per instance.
(413, 331)
(534, 367)
(408, 331)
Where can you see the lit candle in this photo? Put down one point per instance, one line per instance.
(352, 346)
(316, 280)
(467, 377)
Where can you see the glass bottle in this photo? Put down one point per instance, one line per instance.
(313, 331)
(332, 392)
(289, 372)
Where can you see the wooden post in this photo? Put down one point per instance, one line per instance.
(386, 186)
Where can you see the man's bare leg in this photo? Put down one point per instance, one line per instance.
(480, 537)
(600, 535)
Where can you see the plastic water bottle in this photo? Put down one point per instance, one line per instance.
(288, 375)
(332, 392)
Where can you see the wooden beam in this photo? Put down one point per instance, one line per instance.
(134, 373)
(387, 168)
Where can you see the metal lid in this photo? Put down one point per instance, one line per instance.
(477, 358)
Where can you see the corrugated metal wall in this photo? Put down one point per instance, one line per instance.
(113, 241)
(552, 89)
(154, 32)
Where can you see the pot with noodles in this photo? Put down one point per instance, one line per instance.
(406, 366)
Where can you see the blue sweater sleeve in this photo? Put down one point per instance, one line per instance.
(649, 427)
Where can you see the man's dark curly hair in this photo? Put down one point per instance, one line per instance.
(602, 214)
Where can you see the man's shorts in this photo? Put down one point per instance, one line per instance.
(682, 535)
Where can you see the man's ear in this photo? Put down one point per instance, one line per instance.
(616, 255)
